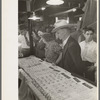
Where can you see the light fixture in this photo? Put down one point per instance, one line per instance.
(67, 20)
(80, 18)
(43, 8)
(56, 18)
(55, 2)
(74, 9)
(34, 17)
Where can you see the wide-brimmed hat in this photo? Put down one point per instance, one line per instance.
(61, 24)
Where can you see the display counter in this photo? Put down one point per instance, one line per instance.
(49, 82)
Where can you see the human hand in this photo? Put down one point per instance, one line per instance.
(91, 68)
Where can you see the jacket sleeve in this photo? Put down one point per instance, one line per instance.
(75, 53)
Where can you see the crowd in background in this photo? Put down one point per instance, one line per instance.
(49, 46)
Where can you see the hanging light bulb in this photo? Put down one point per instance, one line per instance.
(74, 9)
(80, 18)
(56, 18)
(67, 20)
(55, 2)
(43, 8)
(34, 17)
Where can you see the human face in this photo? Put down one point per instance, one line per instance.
(23, 32)
(40, 34)
(88, 36)
(60, 34)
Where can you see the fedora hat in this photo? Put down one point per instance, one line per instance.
(61, 24)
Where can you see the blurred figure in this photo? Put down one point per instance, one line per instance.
(35, 36)
(48, 29)
(76, 33)
(23, 38)
(52, 48)
(81, 37)
(23, 42)
(39, 47)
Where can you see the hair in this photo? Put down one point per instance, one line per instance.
(48, 37)
(23, 27)
(88, 29)
(85, 28)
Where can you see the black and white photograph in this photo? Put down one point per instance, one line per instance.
(57, 50)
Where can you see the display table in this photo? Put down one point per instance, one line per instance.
(50, 82)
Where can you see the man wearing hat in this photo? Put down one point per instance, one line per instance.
(71, 54)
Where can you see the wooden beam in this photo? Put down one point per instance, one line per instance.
(64, 12)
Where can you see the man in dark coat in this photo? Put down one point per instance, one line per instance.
(71, 54)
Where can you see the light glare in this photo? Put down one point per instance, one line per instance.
(55, 2)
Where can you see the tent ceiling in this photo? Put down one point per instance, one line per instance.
(37, 4)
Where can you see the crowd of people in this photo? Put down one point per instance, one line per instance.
(60, 47)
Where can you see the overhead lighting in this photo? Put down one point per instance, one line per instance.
(43, 8)
(74, 9)
(34, 17)
(80, 18)
(67, 20)
(55, 2)
(56, 18)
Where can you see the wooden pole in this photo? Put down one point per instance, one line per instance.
(32, 50)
